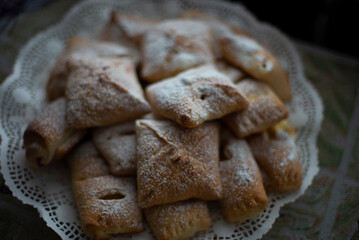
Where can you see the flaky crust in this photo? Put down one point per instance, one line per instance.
(178, 221)
(265, 109)
(108, 205)
(175, 163)
(48, 137)
(86, 162)
(277, 155)
(117, 143)
(174, 46)
(195, 96)
(103, 91)
(81, 47)
(244, 196)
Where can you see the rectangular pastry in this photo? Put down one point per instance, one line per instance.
(243, 196)
(48, 137)
(265, 109)
(178, 221)
(196, 95)
(175, 163)
(103, 91)
(56, 84)
(173, 46)
(276, 153)
(117, 143)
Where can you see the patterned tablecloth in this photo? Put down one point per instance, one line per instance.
(330, 206)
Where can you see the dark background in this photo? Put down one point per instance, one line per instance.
(332, 24)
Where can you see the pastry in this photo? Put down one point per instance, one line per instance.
(175, 163)
(233, 73)
(48, 137)
(107, 205)
(103, 91)
(276, 153)
(246, 53)
(117, 143)
(195, 96)
(265, 109)
(174, 46)
(56, 84)
(243, 194)
(133, 27)
(86, 162)
(178, 221)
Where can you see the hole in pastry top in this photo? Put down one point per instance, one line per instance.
(113, 196)
(203, 96)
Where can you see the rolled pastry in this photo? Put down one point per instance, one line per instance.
(108, 205)
(276, 153)
(117, 143)
(175, 163)
(178, 221)
(196, 95)
(103, 91)
(81, 47)
(174, 46)
(48, 137)
(244, 196)
(265, 109)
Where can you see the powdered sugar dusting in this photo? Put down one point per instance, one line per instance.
(117, 144)
(195, 96)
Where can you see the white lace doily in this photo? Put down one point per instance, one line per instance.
(22, 95)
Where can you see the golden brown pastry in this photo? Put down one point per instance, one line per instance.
(117, 143)
(233, 73)
(133, 27)
(81, 47)
(276, 153)
(175, 163)
(246, 53)
(178, 221)
(195, 96)
(265, 109)
(174, 46)
(103, 91)
(108, 205)
(86, 162)
(48, 137)
(241, 50)
(244, 196)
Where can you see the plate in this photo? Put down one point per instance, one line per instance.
(22, 96)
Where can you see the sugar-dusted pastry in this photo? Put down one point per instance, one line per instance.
(103, 91)
(243, 194)
(86, 162)
(233, 73)
(246, 53)
(133, 27)
(195, 96)
(108, 205)
(174, 46)
(175, 163)
(265, 109)
(117, 143)
(276, 153)
(178, 221)
(81, 47)
(48, 137)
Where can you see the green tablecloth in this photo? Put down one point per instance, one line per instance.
(330, 206)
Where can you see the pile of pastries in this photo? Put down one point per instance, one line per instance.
(158, 117)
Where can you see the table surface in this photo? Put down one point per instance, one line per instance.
(330, 206)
